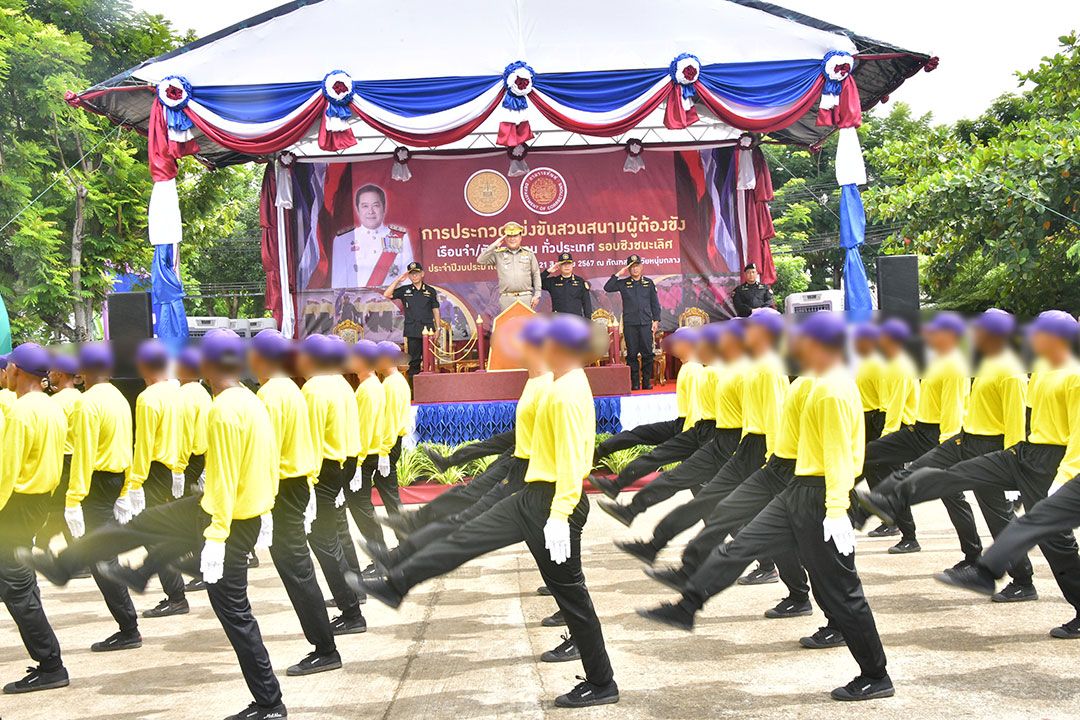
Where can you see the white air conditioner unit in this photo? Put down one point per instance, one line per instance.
(199, 326)
(798, 305)
(249, 328)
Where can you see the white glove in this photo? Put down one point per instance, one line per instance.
(339, 501)
(1054, 487)
(557, 540)
(309, 513)
(212, 561)
(178, 485)
(266, 531)
(839, 530)
(384, 465)
(357, 479)
(138, 501)
(1012, 495)
(122, 510)
(200, 485)
(76, 524)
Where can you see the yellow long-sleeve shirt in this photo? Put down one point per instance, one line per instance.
(196, 403)
(832, 437)
(943, 394)
(370, 400)
(764, 389)
(241, 475)
(899, 392)
(525, 413)
(159, 431)
(564, 435)
(7, 399)
(395, 411)
(66, 399)
(328, 418)
(787, 437)
(868, 378)
(687, 399)
(103, 438)
(288, 417)
(33, 449)
(729, 393)
(710, 375)
(1055, 414)
(997, 404)
(352, 419)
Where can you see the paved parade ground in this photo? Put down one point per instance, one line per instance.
(465, 646)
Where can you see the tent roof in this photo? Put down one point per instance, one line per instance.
(408, 39)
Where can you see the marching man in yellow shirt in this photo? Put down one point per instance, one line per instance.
(65, 394)
(7, 395)
(33, 432)
(868, 377)
(370, 403)
(380, 467)
(196, 406)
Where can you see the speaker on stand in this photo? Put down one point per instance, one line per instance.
(898, 295)
(130, 322)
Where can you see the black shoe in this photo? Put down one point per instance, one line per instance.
(403, 523)
(604, 485)
(315, 663)
(253, 561)
(556, 620)
(566, 651)
(789, 608)
(437, 458)
(884, 530)
(1068, 631)
(381, 589)
(380, 557)
(969, 577)
(37, 679)
(371, 571)
(622, 513)
(196, 585)
(119, 641)
(760, 576)
(330, 603)
(824, 638)
(858, 516)
(643, 551)
(342, 625)
(257, 712)
(81, 574)
(864, 688)
(45, 563)
(1015, 592)
(123, 575)
(904, 547)
(543, 591)
(673, 578)
(167, 608)
(878, 505)
(585, 694)
(669, 614)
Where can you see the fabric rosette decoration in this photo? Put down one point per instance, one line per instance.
(517, 154)
(634, 163)
(836, 67)
(518, 78)
(334, 133)
(685, 70)
(401, 171)
(174, 93)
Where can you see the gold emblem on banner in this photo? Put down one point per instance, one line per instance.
(487, 192)
(349, 331)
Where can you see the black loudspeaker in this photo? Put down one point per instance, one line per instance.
(898, 287)
(130, 322)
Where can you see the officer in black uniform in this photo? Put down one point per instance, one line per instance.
(569, 292)
(641, 318)
(421, 305)
(751, 294)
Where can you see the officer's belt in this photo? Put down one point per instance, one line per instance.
(521, 292)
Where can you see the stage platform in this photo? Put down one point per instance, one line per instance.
(486, 386)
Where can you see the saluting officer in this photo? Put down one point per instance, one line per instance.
(516, 266)
(752, 294)
(641, 318)
(421, 305)
(569, 292)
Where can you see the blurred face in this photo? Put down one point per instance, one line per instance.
(987, 343)
(816, 356)
(865, 346)
(941, 341)
(1048, 346)
(636, 270)
(751, 276)
(305, 365)
(567, 268)
(259, 367)
(371, 209)
(705, 352)
(889, 346)
(730, 346)
(186, 374)
(513, 241)
(758, 338)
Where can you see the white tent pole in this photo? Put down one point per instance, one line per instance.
(288, 320)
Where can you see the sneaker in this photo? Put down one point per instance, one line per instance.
(196, 585)
(543, 591)
(380, 557)
(371, 571)
(643, 551)
(604, 485)
(858, 516)
(969, 577)
(877, 504)
(669, 614)
(437, 458)
(673, 578)
(45, 563)
(1068, 631)
(760, 576)
(253, 561)
(38, 679)
(864, 688)
(330, 603)
(167, 608)
(315, 663)
(825, 637)
(342, 625)
(555, 620)
(122, 640)
(123, 575)
(1015, 592)
(566, 651)
(257, 712)
(884, 530)
(381, 589)
(585, 694)
(904, 547)
(789, 607)
(622, 513)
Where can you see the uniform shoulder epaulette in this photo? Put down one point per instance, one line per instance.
(397, 230)
(587, 285)
(502, 249)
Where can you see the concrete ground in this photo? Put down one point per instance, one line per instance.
(465, 646)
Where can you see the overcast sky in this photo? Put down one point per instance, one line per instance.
(980, 42)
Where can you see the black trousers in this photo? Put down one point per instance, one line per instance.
(691, 473)
(996, 510)
(20, 520)
(463, 495)
(521, 518)
(193, 471)
(415, 347)
(747, 459)
(494, 445)
(360, 503)
(647, 434)
(158, 491)
(639, 342)
(873, 423)
(1028, 468)
(172, 531)
(292, 559)
(55, 524)
(325, 540)
(792, 522)
(97, 509)
(674, 449)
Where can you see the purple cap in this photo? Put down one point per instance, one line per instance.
(190, 358)
(996, 322)
(152, 352)
(683, 334)
(388, 349)
(222, 344)
(570, 331)
(1058, 323)
(317, 346)
(3, 362)
(96, 356)
(735, 326)
(339, 349)
(825, 327)
(534, 331)
(866, 331)
(947, 322)
(66, 364)
(31, 358)
(712, 332)
(271, 344)
(767, 318)
(367, 349)
(896, 329)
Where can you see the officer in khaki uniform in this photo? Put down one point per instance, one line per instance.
(518, 271)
